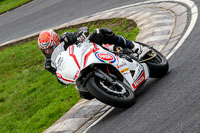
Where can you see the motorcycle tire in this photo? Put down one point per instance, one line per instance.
(158, 66)
(107, 96)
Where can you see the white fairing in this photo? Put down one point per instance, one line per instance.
(69, 63)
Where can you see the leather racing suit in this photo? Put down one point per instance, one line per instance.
(99, 36)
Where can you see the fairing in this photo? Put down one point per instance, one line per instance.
(69, 63)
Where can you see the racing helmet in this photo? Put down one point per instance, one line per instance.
(48, 39)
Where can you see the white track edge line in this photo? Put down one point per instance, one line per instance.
(99, 119)
(194, 17)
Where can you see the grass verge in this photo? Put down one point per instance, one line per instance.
(7, 5)
(31, 99)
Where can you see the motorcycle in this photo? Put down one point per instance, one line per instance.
(111, 77)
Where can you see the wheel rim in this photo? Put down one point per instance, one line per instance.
(156, 60)
(115, 89)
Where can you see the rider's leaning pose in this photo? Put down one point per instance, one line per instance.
(51, 44)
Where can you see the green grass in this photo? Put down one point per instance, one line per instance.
(31, 99)
(124, 27)
(6, 5)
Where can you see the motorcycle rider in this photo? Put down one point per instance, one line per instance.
(51, 44)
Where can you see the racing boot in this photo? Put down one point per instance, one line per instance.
(138, 50)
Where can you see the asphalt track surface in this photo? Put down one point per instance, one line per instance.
(170, 104)
(43, 14)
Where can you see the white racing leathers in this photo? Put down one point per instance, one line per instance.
(57, 50)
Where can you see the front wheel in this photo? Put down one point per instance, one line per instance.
(116, 94)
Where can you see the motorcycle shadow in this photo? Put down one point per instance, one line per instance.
(149, 86)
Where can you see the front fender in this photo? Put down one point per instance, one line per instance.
(99, 70)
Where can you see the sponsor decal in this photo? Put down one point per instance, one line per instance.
(139, 81)
(124, 70)
(105, 57)
(126, 73)
(59, 62)
(121, 65)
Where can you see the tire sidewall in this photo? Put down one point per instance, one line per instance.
(157, 70)
(101, 95)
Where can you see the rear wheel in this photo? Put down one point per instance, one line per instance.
(156, 62)
(116, 94)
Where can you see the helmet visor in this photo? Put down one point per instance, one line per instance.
(47, 52)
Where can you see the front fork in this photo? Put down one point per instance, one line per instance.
(100, 74)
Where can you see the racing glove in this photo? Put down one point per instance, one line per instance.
(103, 36)
(47, 66)
(97, 36)
(81, 36)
